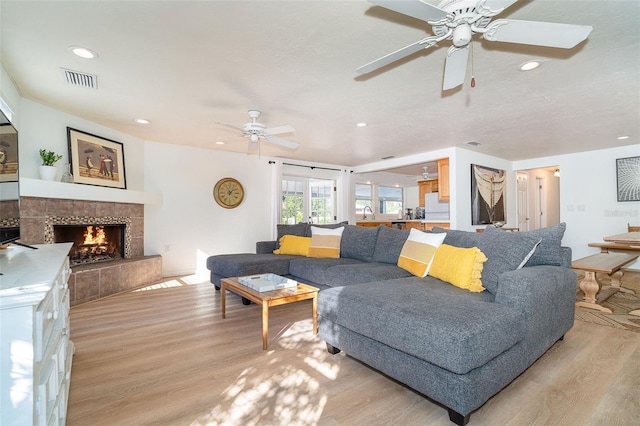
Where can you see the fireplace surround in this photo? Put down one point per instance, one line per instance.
(39, 215)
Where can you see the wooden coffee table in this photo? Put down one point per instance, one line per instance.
(271, 298)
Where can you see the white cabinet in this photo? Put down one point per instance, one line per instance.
(35, 350)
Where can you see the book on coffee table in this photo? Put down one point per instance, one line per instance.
(267, 282)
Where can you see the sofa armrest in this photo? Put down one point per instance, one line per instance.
(545, 294)
(265, 247)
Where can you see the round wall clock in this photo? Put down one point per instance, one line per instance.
(228, 192)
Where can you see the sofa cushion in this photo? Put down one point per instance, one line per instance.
(418, 251)
(299, 229)
(505, 251)
(359, 242)
(431, 320)
(325, 242)
(459, 238)
(366, 272)
(237, 265)
(389, 244)
(459, 266)
(292, 244)
(549, 252)
(316, 269)
(324, 226)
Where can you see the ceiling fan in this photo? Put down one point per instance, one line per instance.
(257, 131)
(425, 175)
(459, 20)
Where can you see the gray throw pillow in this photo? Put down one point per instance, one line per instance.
(549, 252)
(505, 251)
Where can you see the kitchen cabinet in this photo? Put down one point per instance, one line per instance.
(443, 180)
(426, 187)
(36, 352)
(373, 223)
(430, 225)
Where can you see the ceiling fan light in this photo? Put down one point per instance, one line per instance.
(254, 138)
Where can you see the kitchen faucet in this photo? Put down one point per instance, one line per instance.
(364, 213)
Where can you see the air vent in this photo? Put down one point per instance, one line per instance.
(80, 79)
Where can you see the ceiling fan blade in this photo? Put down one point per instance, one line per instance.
(283, 142)
(536, 33)
(455, 67)
(414, 8)
(238, 129)
(279, 130)
(398, 54)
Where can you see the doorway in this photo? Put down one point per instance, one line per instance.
(538, 192)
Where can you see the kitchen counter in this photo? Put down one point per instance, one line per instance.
(421, 224)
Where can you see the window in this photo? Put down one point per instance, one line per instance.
(364, 197)
(308, 200)
(292, 201)
(389, 200)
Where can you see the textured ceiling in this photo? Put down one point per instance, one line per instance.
(192, 67)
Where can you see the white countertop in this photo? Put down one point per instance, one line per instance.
(27, 274)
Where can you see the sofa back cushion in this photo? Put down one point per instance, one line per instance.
(389, 244)
(505, 251)
(299, 230)
(359, 242)
(457, 238)
(549, 252)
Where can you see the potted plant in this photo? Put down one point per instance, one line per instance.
(48, 169)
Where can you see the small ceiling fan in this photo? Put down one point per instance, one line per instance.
(257, 131)
(426, 175)
(459, 20)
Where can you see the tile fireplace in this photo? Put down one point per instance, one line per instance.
(92, 243)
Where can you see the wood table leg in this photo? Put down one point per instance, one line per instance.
(223, 294)
(589, 285)
(314, 313)
(265, 325)
(616, 282)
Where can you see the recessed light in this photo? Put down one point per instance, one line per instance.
(361, 124)
(83, 52)
(529, 65)
(621, 138)
(219, 143)
(141, 121)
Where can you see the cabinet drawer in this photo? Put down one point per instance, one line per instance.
(45, 320)
(47, 392)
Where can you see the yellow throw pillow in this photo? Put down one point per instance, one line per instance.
(461, 267)
(325, 242)
(418, 251)
(292, 244)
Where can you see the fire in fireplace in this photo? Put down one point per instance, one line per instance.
(92, 243)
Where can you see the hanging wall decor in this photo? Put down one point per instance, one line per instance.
(96, 160)
(488, 188)
(628, 178)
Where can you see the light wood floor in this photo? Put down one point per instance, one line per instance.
(164, 356)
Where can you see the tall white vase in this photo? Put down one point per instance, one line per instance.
(48, 172)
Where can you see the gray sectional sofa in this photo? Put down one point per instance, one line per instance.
(456, 347)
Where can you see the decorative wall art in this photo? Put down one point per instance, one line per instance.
(96, 160)
(8, 154)
(628, 178)
(488, 188)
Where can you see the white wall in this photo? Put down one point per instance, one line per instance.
(189, 225)
(588, 196)
(42, 127)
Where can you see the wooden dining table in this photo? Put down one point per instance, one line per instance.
(629, 239)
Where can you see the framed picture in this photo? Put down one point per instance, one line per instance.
(628, 178)
(8, 154)
(96, 160)
(488, 188)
